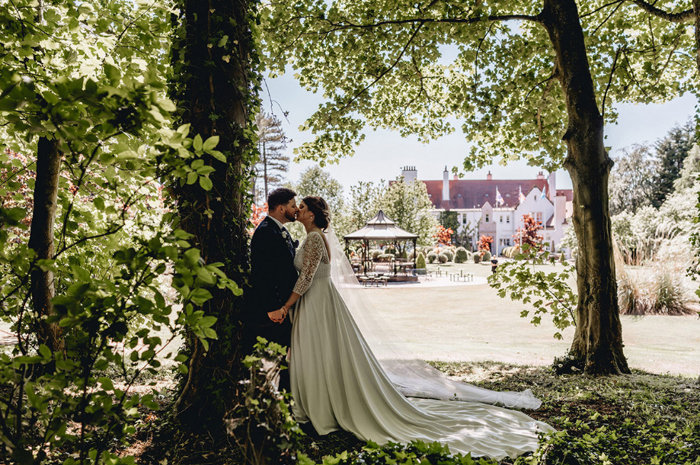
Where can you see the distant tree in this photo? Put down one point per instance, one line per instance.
(443, 235)
(671, 152)
(315, 181)
(528, 233)
(408, 204)
(364, 202)
(273, 163)
(631, 183)
(449, 220)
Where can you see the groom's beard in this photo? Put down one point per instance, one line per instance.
(292, 217)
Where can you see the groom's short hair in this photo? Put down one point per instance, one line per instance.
(279, 196)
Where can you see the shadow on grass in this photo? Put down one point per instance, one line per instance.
(629, 419)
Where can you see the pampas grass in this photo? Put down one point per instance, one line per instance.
(658, 290)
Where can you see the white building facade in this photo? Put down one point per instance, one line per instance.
(496, 208)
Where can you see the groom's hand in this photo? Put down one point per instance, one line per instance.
(277, 316)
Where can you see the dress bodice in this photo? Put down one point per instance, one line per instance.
(312, 262)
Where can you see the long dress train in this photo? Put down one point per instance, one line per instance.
(337, 383)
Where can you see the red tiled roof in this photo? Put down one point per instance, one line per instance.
(473, 193)
(569, 193)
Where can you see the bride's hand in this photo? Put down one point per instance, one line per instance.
(277, 316)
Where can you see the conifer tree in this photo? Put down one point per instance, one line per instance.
(272, 162)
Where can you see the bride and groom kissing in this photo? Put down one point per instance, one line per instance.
(335, 379)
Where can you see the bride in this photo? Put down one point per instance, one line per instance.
(338, 382)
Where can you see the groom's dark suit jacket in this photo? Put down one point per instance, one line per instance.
(273, 278)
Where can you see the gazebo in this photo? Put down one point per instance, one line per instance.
(382, 228)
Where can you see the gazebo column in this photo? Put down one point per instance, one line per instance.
(415, 253)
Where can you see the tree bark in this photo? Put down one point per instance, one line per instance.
(696, 12)
(215, 90)
(48, 169)
(597, 345)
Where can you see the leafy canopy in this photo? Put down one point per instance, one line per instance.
(415, 67)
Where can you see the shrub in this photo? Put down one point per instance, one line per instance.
(659, 291)
(385, 257)
(375, 253)
(420, 261)
(486, 257)
(476, 257)
(432, 256)
(443, 258)
(450, 255)
(390, 250)
(461, 255)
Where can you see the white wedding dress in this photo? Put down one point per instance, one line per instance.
(338, 383)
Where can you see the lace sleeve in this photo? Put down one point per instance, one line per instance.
(313, 252)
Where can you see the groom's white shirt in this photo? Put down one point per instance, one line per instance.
(279, 223)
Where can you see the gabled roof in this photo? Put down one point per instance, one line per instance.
(381, 227)
(473, 193)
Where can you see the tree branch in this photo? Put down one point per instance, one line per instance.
(354, 98)
(612, 71)
(348, 25)
(681, 17)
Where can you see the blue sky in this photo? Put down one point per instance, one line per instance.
(383, 153)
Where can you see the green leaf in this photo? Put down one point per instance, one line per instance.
(45, 352)
(192, 177)
(106, 383)
(207, 321)
(205, 183)
(218, 155)
(112, 73)
(197, 143)
(210, 143)
(99, 203)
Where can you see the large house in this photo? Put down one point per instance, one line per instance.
(496, 207)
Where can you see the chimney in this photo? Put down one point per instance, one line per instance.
(552, 185)
(540, 175)
(489, 177)
(409, 173)
(456, 178)
(445, 185)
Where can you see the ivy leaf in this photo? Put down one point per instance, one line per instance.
(197, 143)
(218, 155)
(206, 183)
(210, 143)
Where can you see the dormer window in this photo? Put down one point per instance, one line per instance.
(487, 216)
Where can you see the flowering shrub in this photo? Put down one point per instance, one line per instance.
(443, 235)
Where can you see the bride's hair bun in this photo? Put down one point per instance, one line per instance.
(319, 207)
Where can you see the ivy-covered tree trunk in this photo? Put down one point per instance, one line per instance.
(41, 239)
(696, 10)
(597, 344)
(215, 88)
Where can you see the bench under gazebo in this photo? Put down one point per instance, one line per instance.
(382, 229)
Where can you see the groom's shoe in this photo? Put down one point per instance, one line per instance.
(285, 382)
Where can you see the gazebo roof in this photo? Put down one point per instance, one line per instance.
(381, 227)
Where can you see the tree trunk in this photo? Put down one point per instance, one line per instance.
(696, 10)
(48, 169)
(264, 159)
(597, 344)
(215, 88)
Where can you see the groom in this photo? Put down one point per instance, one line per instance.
(273, 274)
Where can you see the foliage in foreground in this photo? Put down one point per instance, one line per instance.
(549, 293)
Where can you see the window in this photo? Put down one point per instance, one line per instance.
(539, 217)
(487, 218)
(464, 219)
(507, 219)
(501, 219)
